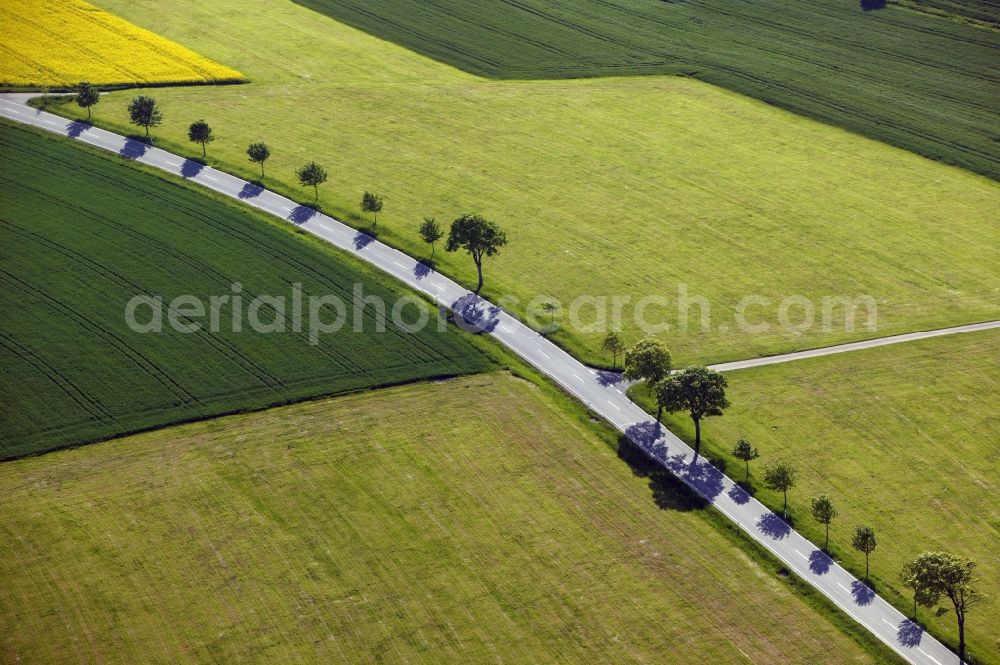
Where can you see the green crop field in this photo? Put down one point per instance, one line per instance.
(985, 13)
(905, 438)
(397, 526)
(907, 78)
(82, 233)
(607, 187)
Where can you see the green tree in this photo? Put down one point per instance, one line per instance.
(143, 112)
(200, 132)
(371, 202)
(864, 541)
(311, 175)
(258, 154)
(911, 578)
(935, 574)
(479, 237)
(780, 477)
(614, 345)
(431, 232)
(823, 512)
(86, 96)
(647, 360)
(744, 451)
(550, 307)
(698, 390)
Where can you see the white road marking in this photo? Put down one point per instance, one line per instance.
(578, 377)
(928, 655)
(614, 405)
(853, 346)
(842, 586)
(544, 354)
(399, 264)
(212, 178)
(802, 555)
(887, 623)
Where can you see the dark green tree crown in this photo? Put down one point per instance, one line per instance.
(477, 235)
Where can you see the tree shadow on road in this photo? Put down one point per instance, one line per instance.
(645, 434)
(250, 190)
(133, 149)
(421, 270)
(77, 127)
(191, 168)
(773, 526)
(669, 492)
(910, 633)
(863, 594)
(702, 476)
(608, 378)
(819, 562)
(362, 240)
(474, 314)
(739, 495)
(301, 214)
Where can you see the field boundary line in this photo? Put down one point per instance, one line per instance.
(853, 346)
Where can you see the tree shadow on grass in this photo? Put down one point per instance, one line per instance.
(669, 492)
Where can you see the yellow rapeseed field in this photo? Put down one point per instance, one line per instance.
(62, 42)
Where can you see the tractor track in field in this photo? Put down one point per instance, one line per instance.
(136, 357)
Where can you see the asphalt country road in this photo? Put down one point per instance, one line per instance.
(598, 390)
(853, 346)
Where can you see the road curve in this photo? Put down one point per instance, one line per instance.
(595, 389)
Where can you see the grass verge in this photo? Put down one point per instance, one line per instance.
(903, 438)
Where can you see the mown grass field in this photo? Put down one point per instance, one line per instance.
(475, 520)
(905, 438)
(607, 187)
(63, 42)
(908, 78)
(83, 233)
